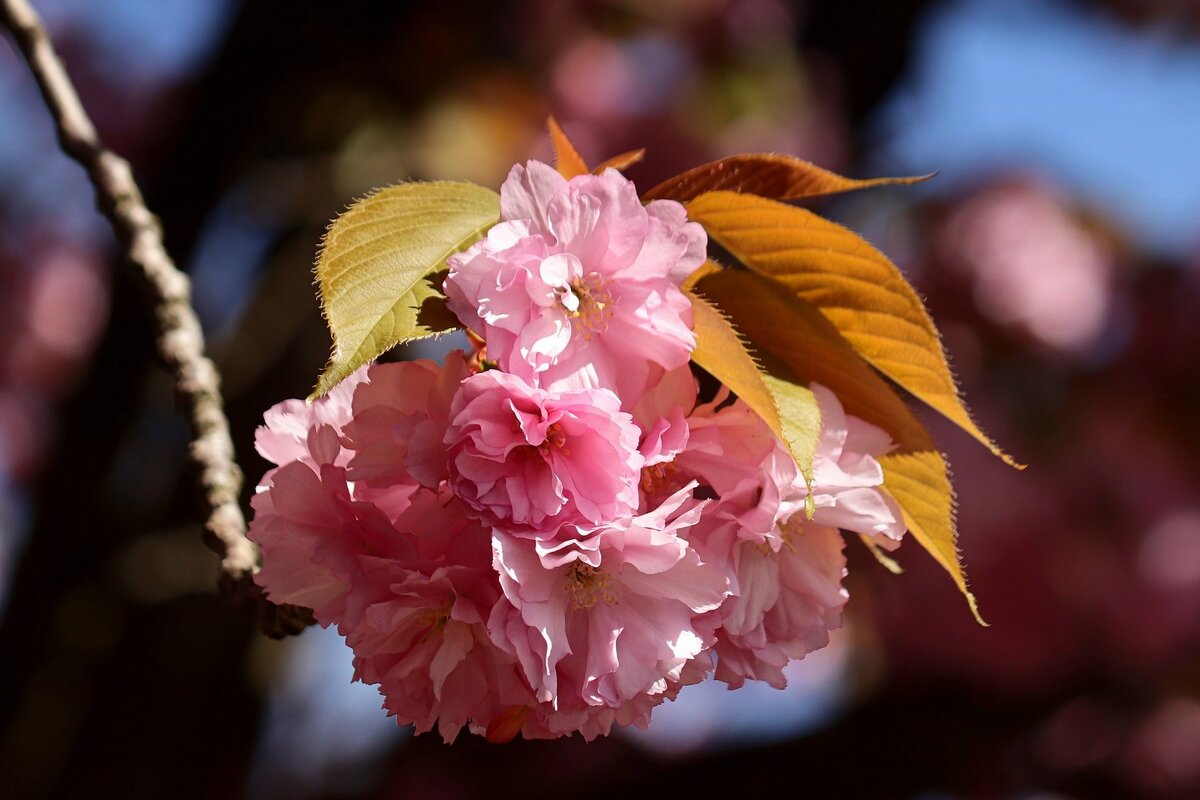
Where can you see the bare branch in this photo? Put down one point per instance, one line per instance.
(180, 339)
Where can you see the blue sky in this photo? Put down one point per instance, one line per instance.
(1109, 111)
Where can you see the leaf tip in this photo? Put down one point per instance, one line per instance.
(567, 160)
(974, 606)
(622, 161)
(320, 390)
(994, 448)
(1012, 462)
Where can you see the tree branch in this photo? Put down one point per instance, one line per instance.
(180, 339)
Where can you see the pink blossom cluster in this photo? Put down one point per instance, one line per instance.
(556, 533)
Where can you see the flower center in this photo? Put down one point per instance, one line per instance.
(587, 584)
(589, 304)
(787, 531)
(656, 477)
(555, 439)
(434, 619)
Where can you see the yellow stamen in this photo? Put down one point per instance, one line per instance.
(587, 584)
(593, 303)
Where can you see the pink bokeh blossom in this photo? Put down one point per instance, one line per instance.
(1033, 263)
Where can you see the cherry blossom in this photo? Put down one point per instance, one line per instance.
(578, 286)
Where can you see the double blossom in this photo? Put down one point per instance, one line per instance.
(557, 536)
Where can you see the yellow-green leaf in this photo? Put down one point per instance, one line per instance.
(377, 263)
(766, 175)
(567, 160)
(782, 327)
(800, 419)
(854, 285)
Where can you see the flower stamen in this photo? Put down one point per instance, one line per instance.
(656, 477)
(587, 584)
(555, 438)
(435, 619)
(590, 305)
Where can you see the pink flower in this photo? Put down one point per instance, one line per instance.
(731, 451)
(305, 521)
(578, 285)
(787, 602)
(398, 566)
(309, 432)
(661, 412)
(529, 460)
(847, 476)
(605, 634)
(314, 534)
(311, 533)
(400, 413)
(785, 571)
(417, 626)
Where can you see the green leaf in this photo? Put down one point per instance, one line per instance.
(766, 175)
(854, 285)
(784, 328)
(800, 418)
(378, 264)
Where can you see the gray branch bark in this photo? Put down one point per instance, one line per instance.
(180, 339)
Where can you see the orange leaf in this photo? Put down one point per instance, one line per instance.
(766, 175)
(566, 158)
(854, 285)
(785, 329)
(920, 483)
(622, 161)
(721, 352)
(788, 330)
(707, 268)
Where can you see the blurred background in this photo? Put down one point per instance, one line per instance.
(1059, 250)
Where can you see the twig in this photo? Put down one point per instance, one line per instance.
(180, 339)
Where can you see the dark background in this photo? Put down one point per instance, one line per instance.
(1058, 250)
